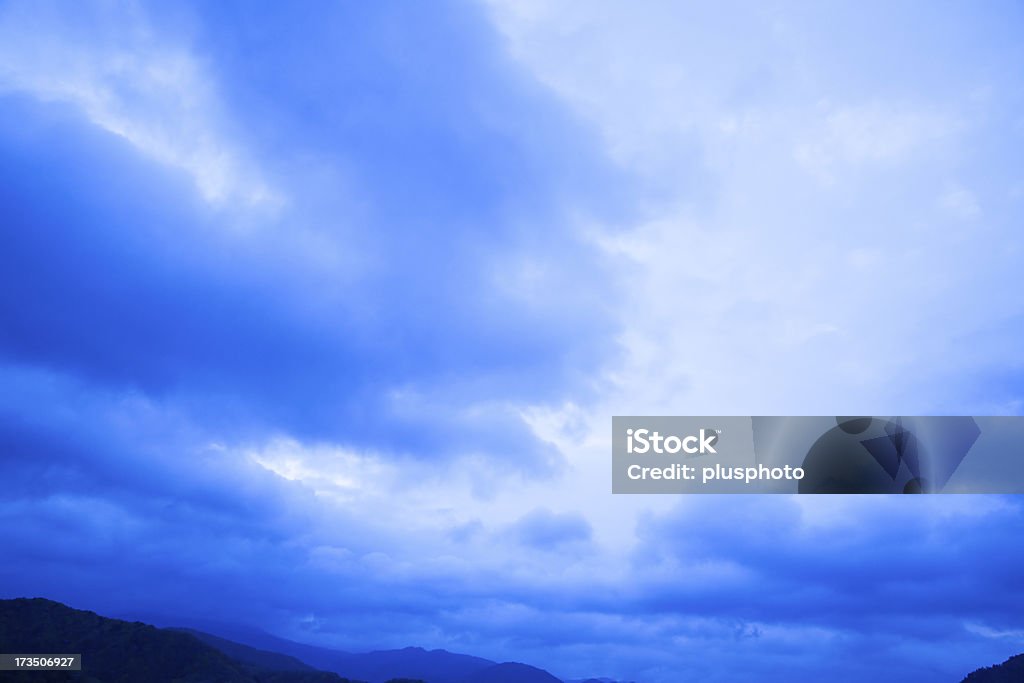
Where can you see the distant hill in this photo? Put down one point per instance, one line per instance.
(413, 663)
(434, 666)
(1010, 671)
(511, 672)
(272, 661)
(410, 664)
(317, 657)
(115, 651)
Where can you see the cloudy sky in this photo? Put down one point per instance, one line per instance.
(313, 317)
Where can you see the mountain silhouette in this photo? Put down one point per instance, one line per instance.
(1010, 671)
(434, 666)
(115, 651)
(406, 664)
(511, 672)
(120, 651)
(381, 666)
(413, 663)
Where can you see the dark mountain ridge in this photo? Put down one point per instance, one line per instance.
(1010, 671)
(115, 651)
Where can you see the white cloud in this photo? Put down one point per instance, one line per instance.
(994, 633)
(133, 83)
(788, 255)
(960, 203)
(750, 287)
(872, 133)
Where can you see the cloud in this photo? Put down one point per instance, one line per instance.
(796, 192)
(872, 134)
(377, 563)
(545, 530)
(986, 632)
(155, 96)
(372, 308)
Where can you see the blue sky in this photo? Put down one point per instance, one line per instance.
(314, 317)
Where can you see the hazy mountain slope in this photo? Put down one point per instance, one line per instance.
(321, 658)
(433, 666)
(265, 659)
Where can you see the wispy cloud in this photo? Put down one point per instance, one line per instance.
(874, 133)
(154, 94)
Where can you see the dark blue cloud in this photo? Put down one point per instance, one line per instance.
(441, 157)
(144, 326)
(719, 588)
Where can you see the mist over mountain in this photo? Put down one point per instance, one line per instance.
(226, 633)
(266, 659)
